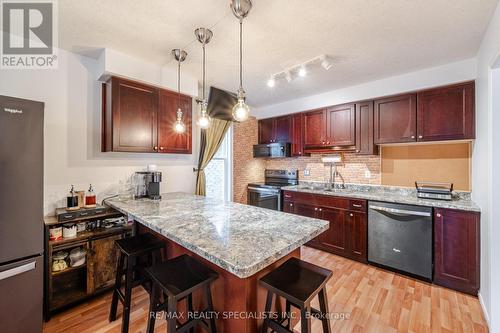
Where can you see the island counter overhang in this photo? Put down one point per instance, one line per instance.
(242, 243)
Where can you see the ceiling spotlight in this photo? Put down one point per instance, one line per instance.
(326, 62)
(302, 71)
(271, 82)
(288, 76)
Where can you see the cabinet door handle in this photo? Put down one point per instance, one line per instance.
(321, 209)
(357, 150)
(413, 136)
(300, 153)
(438, 215)
(351, 214)
(420, 137)
(291, 205)
(161, 148)
(316, 209)
(155, 148)
(357, 206)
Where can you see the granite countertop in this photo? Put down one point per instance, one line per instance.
(238, 238)
(403, 195)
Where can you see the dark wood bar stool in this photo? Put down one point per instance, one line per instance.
(298, 282)
(176, 280)
(136, 253)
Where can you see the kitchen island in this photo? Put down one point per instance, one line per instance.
(241, 243)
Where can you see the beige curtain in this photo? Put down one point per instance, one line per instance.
(210, 142)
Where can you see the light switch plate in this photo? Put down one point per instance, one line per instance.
(307, 172)
(368, 174)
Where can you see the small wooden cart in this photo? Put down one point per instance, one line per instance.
(74, 284)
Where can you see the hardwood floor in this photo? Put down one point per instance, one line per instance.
(362, 297)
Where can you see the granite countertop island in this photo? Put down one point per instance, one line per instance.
(403, 195)
(238, 238)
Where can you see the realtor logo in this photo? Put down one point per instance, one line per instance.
(28, 34)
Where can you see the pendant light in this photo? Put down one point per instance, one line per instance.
(240, 9)
(204, 36)
(180, 56)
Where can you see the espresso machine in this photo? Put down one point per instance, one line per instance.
(147, 185)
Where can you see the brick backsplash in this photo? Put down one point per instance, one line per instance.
(246, 169)
(352, 168)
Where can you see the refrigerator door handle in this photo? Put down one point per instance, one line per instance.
(17, 270)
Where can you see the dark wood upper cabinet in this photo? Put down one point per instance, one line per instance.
(283, 129)
(456, 249)
(140, 118)
(170, 141)
(395, 119)
(365, 144)
(341, 124)
(278, 129)
(266, 130)
(297, 134)
(131, 117)
(446, 113)
(315, 128)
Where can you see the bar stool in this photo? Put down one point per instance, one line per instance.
(298, 282)
(175, 280)
(133, 252)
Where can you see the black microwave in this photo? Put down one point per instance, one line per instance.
(272, 150)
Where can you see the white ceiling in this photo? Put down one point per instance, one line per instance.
(368, 39)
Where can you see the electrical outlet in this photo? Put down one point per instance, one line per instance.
(368, 174)
(307, 172)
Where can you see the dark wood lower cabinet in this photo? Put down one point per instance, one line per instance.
(456, 250)
(357, 224)
(335, 238)
(347, 234)
(456, 236)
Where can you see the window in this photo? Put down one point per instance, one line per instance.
(218, 171)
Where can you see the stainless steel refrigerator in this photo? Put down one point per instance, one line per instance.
(21, 215)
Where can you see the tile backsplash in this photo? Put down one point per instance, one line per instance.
(355, 169)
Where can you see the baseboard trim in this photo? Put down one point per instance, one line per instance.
(485, 313)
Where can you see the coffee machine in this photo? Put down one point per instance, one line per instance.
(147, 185)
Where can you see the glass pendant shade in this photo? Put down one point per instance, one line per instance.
(204, 120)
(241, 110)
(179, 126)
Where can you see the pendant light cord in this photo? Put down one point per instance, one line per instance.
(203, 92)
(241, 54)
(179, 83)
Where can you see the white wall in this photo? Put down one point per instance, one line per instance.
(72, 99)
(431, 77)
(112, 62)
(482, 177)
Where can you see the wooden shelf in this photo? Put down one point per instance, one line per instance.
(67, 297)
(52, 220)
(69, 270)
(84, 235)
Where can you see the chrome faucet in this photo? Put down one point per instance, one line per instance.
(333, 174)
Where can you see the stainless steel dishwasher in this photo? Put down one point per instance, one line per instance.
(400, 237)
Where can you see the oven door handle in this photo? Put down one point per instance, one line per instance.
(258, 189)
(400, 211)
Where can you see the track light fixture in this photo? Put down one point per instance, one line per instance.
(301, 70)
